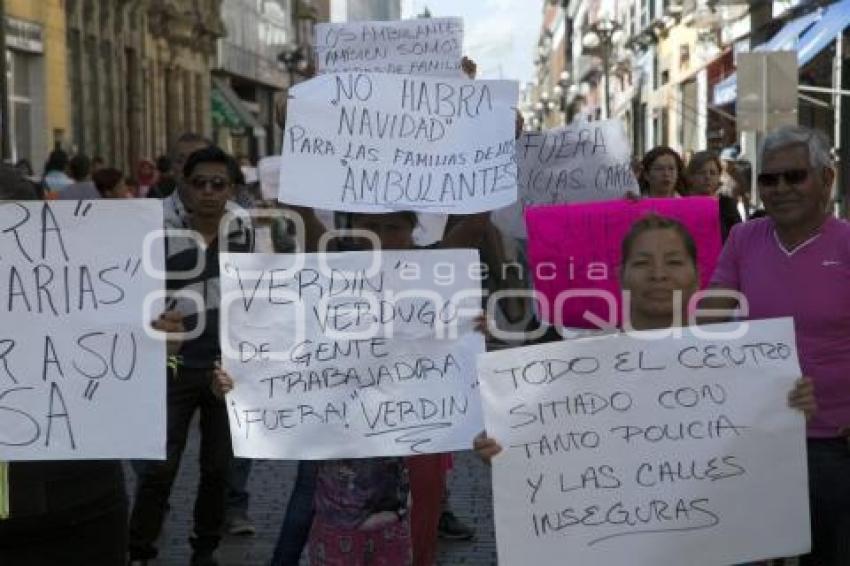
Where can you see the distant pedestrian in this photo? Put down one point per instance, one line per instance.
(662, 173)
(56, 173)
(110, 184)
(146, 176)
(703, 179)
(79, 169)
(167, 181)
(132, 186)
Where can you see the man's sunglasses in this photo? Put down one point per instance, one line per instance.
(791, 176)
(217, 184)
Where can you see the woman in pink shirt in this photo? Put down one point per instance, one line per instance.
(660, 260)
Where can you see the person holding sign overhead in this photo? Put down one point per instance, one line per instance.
(659, 261)
(394, 230)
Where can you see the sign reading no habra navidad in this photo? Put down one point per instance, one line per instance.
(363, 142)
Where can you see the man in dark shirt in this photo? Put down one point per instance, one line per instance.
(210, 176)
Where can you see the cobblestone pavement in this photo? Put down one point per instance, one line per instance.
(270, 484)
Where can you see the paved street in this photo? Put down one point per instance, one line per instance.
(270, 485)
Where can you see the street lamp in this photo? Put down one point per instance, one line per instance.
(296, 62)
(539, 111)
(561, 92)
(604, 34)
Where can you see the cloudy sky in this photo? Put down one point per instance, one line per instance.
(500, 35)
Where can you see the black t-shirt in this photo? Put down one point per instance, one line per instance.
(183, 255)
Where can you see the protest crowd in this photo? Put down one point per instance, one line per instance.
(775, 252)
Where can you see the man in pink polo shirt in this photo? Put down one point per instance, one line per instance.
(796, 262)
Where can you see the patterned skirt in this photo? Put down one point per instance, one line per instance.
(387, 545)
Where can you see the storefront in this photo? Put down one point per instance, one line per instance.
(249, 77)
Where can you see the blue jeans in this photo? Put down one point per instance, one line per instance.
(299, 517)
(238, 497)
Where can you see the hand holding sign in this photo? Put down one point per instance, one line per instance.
(171, 322)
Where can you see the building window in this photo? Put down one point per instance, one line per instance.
(109, 145)
(21, 125)
(188, 101)
(684, 56)
(94, 98)
(76, 83)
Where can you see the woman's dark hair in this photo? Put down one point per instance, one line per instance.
(650, 158)
(56, 161)
(107, 179)
(696, 164)
(652, 222)
(163, 164)
(79, 167)
(213, 154)
(408, 215)
(13, 186)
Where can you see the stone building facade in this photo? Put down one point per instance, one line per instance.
(37, 84)
(139, 74)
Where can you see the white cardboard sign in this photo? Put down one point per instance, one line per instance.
(80, 377)
(351, 355)
(432, 46)
(582, 162)
(380, 143)
(628, 451)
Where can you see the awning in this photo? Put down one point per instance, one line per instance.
(786, 39)
(835, 18)
(229, 111)
(223, 114)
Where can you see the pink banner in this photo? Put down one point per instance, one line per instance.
(576, 248)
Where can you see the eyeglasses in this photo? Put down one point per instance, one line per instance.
(791, 176)
(217, 184)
